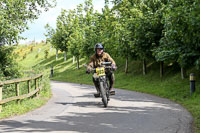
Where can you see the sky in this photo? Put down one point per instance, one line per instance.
(36, 29)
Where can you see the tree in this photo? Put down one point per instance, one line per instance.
(53, 37)
(60, 36)
(14, 16)
(76, 39)
(148, 30)
(64, 29)
(123, 29)
(181, 39)
(8, 65)
(90, 22)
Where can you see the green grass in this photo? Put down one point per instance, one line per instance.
(28, 104)
(171, 86)
(13, 109)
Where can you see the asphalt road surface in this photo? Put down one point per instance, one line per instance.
(73, 109)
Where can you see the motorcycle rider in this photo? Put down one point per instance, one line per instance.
(96, 60)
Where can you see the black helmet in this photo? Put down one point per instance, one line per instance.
(98, 45)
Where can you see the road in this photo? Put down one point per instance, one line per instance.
(73, 109)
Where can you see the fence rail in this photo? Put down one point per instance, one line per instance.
(37, 85)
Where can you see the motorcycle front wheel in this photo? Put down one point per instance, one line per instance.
(103, 94)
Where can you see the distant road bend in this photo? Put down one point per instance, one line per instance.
(73, 109)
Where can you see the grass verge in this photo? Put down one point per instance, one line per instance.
(13, 108)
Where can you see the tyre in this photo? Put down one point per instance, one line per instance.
(103, 94)
(107, 91)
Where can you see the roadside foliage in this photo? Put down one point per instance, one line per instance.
(147, 30)
(14, 18)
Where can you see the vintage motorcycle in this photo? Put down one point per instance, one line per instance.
(99, 75)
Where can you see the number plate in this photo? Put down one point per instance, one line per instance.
(100, 71)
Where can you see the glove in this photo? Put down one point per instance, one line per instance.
(114, 67)
(88, 70)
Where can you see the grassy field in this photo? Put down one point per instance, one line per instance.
(171, 86)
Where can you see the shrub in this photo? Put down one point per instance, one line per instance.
(31, 49)
(46, 53)
(36, 56)
(24, 56)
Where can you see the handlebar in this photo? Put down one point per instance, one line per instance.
(106, 63)
(103, 64)
(106, 67)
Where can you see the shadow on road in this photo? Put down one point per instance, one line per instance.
(112, 119)
(126, 112)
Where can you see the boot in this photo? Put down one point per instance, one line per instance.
(97, 95)
(111, 80)
(112, 91)
(98, 92)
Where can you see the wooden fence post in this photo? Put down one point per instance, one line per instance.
(36, 86)
(29, 86)
(41, 80)
(1, 97)
(39, 85)
(17, 90)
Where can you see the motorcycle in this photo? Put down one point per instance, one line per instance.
(99, 75)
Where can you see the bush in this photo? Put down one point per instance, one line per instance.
(31, 49)
(24, 56)
(8, 65)
(36, 56)
(46, 53)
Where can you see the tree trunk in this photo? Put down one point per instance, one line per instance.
(50, 49)
(65, 56)
(144, 67)
(183, 73)
(161, 69)
(77, 62)
(73, 59)
(56, 54)
(126, 65)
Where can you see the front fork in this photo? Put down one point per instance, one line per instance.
(105, 83)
